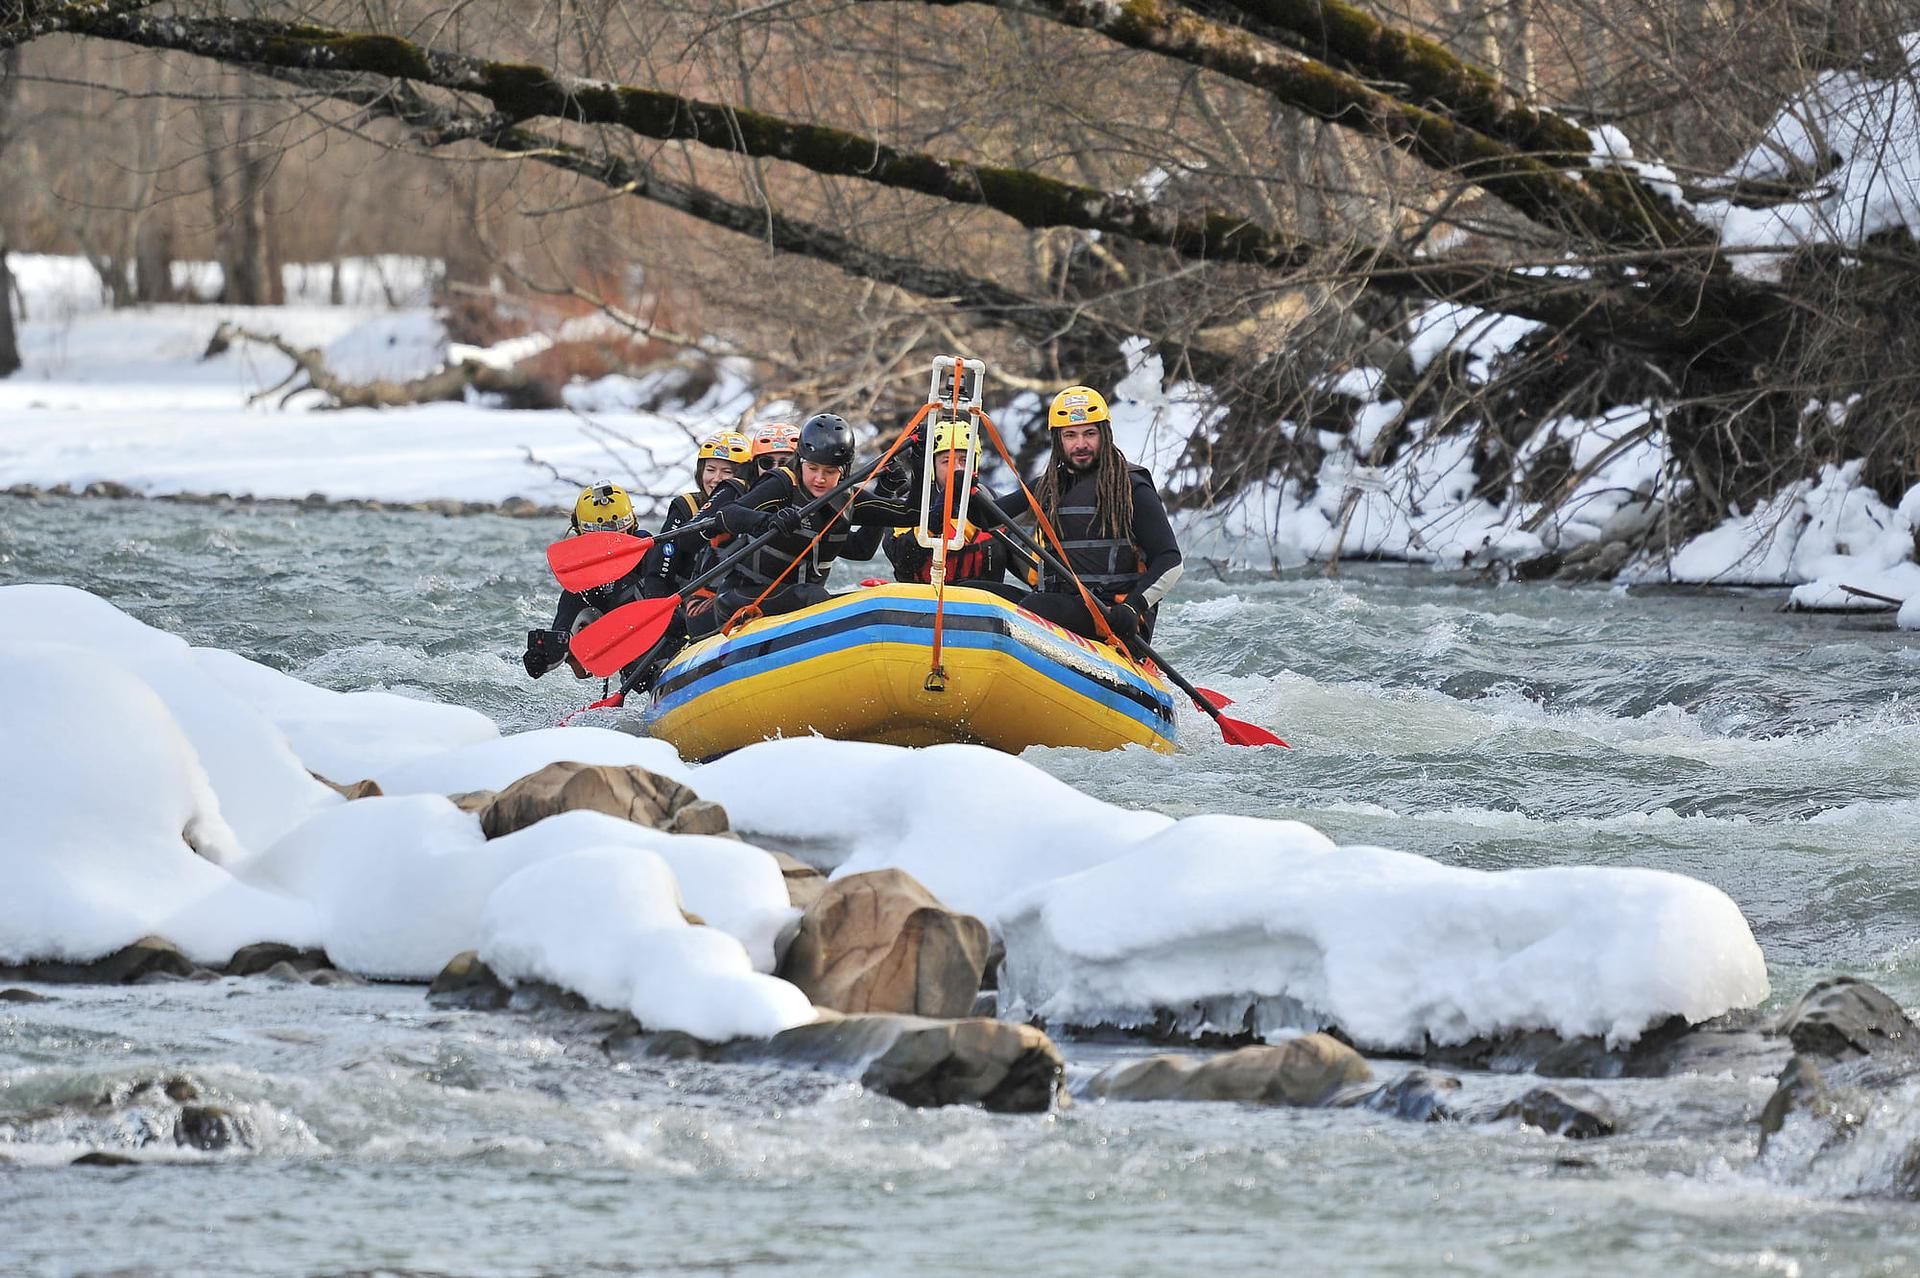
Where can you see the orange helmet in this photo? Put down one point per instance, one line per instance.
(775, 437)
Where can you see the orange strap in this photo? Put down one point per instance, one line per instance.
(1093, 607)
(752, 610)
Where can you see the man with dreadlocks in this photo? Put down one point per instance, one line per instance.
(1111, 523)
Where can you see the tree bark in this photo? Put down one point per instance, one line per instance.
(26, 20)
(9, 343)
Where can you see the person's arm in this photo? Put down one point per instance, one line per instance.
(749, 514)
(906, 554)
(1153, 534)
(1013, 505)
(863, 542)
(571, 605)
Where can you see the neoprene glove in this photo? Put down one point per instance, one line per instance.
(1124, 620)
(982, 513)
(893, 483)
(787, 520)
(545, 650)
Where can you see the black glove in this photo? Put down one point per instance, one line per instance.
(545, 650)
(1124, 620)
(787, 521)
(893, 483)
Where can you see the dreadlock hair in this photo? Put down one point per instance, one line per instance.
(1113, 486)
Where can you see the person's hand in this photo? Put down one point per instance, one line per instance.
(981, 512)
(893, 483)
(787, 521)
(1124, 620)
(545, 650)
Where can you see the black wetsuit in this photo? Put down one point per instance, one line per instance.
(855, 535)
(982, 563)
(1139, 567)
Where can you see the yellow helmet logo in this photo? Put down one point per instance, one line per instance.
(604, 507)
(1077, 406)
(727, 445)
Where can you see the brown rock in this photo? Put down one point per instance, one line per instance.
(358, 790)
(702, 816)
(804, 883)
(22, 996)
(880, 942)
(1801, 1088)
(101, 1158)
(1309, 1070)
(999, 1065)
(252, 960)
(1573, 1112)
(633, 794)
(474, 801)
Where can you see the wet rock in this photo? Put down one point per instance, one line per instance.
(1737, 1042)
(702, 816)
(467, 982)
(475, 801)
(1419, 1096)
(997, 1065)
(1801, 1089)
(518, 508)
(101, 1158)
(334, 978)
(207, 1128)
(1841, 1019)
(880, 942)
(633, 794)
(804, 883)
(150, 956)
(22, 996)
(107, 488)
(253, 960)
(1309, 1070)
(285, 974)
(1575, 1113)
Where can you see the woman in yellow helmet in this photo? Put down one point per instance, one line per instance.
(601, 507)
(1110, 519)
(724, 457)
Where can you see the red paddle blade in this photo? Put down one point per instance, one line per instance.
(624, 635)
(595, 558)
(605, 703)
(1239, 732)
(1220, 700)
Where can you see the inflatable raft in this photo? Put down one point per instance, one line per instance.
(855, 668)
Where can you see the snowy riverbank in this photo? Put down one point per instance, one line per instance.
(127, 400)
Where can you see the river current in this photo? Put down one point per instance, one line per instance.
(1493, 726)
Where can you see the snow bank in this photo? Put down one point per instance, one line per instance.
(119, 834)
(1109, 915)
(1220, 914)
(606, 923)
(495, 764)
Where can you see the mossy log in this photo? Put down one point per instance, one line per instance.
(23, 21)
(1442, 140)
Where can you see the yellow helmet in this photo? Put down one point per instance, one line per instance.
(604, 507)
(954, 434)
(1077, 406)
(727, 445)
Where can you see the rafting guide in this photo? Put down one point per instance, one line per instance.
(753, 645)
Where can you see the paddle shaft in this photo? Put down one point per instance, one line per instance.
(1138, 643)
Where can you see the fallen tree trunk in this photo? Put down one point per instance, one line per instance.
(448, 383)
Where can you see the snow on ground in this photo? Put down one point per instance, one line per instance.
(1107, 913)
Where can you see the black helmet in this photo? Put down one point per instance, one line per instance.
(826, 440)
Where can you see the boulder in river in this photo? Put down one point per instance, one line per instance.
(1573, 1112)
(252, 960)
(1419, 1096)
(880, 942)
(1309, 1070)
(632, 794)
(150, 956)
(467, 982)
(998, 1065)
(1842, 1018)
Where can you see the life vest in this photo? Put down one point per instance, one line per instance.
(763, 567)
(971, 562)
(670, 558)
(1109, 566)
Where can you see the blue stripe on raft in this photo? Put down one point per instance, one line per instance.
(803, 620)
(1076, 680)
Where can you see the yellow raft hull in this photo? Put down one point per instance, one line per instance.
(856, 667)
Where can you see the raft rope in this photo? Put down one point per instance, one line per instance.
(752, 610)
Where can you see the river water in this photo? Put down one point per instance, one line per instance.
(1775, 756)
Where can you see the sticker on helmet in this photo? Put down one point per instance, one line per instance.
(1068, 401)
(1076, 414)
